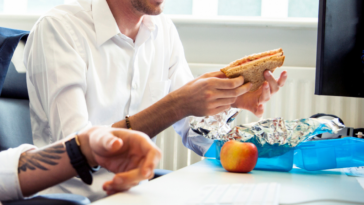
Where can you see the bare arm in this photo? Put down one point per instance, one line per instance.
(206, 95)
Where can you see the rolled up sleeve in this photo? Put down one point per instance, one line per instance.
(56, 79)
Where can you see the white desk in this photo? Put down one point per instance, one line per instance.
(296, 186)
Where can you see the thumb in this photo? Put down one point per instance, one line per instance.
(107, 144)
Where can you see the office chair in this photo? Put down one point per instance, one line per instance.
(15, 127)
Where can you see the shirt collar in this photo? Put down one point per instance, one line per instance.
(149, 22)
(105, 24)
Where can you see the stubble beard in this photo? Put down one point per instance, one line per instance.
(143, 7)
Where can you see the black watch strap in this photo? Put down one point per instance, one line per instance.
(78, 161)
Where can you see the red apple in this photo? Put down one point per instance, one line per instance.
(238, 156)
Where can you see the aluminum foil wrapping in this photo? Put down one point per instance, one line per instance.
(273, 137)
(215, 126)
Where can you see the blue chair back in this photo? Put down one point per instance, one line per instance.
(15, 128)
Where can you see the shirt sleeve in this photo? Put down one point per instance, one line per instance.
(56, 77)
(9, 181)
(180, 74)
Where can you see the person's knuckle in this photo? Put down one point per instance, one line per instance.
(210, 112)
(267, 98)
(208, 107)
(208, 94)
(234, 83)
(211, 83)
(236, 92)
(205, 75)
(204, 84)
(275, 90)
(159, 153)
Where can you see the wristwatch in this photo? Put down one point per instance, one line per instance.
(79, 161)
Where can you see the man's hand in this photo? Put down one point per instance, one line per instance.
(254, 101)
(209, 94)
(129, 154)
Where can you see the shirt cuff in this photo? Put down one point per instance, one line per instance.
(202, 143)
(197, 143)
(9, 181)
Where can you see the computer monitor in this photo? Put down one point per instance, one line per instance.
(340, 48)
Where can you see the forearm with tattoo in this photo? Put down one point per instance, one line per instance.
(43, 168)
(49, 156)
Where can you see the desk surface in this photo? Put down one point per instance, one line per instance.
(296, 186)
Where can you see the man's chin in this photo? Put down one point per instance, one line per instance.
(156, 13)
(148, 7)
(156, 10)
(156, 2)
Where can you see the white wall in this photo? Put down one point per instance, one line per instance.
(222, 41)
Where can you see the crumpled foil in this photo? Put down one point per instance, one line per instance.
(273, 137)
(214, 126)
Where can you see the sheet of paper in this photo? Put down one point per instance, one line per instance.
(18, 57)
(361, 181)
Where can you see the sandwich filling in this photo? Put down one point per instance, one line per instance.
(248, 59)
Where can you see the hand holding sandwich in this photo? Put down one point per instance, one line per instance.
(249, 86)
(209, 94)
(257, 69)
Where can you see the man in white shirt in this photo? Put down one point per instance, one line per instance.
(26, 170)
(96, 61)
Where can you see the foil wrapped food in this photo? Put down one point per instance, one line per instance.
(273, 137)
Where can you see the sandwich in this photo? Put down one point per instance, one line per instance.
(252, 67)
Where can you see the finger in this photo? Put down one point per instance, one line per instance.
(235, 92)
(151, 160)
(108, 187)
(282, 79)
(227, 83)
(216, 74)
(106, 144)
(124, 181)
(265, 96)
(219, 109)
(222, 102)
(273, 84)
(112, 192)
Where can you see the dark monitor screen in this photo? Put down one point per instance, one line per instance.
(340, 48)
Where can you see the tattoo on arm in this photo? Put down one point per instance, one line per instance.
(48, 156)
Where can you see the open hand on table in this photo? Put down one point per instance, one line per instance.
(130, 154)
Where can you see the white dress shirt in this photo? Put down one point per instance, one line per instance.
(9, 181)
(81, 71)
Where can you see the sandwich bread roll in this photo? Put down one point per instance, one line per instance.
(252, 67)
